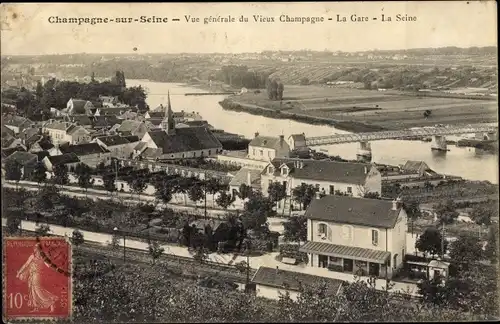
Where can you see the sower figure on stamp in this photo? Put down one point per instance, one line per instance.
(39, 297)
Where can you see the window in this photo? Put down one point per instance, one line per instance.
(284, 171)
(375, 237)
(270, 170)
(194, 154)
(270, 182)
(332, 190)
(253, 151)
(261, 153)
(268, 153)
(347, 232)
(349, 190)
(209, 152)
(322, 229)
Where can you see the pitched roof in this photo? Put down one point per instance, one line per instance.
(81, 120)
(45, 145)
(7, 131)
(185, 140)
(298, 137)
(132, 138)
(292, 280)
(156, 114)
(59, 125)
(105, 121)
(32, 140)
(83, 149)
(151, 153)
(16, 120)
(354, 211)
(113, 140)
(29, 132)
(140, 146)
(129, 126)
(8, 140)
(63, 159)
(154, 121)
(79, 105)
(115, 111)
(72, 129)
(241, 177)
(344, 251)
(9, 151)
(22, 157)
(41, 155)
(267, 142)
(342, 172)
(197, 123)
(414, 166)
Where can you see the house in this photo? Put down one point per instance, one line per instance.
(81, 120)
(104, 122)
(155, 114)
(70, 160)
(356, 235)
(132, 127)
(416, 167)
(266, 148)
(271, 283)
(7, 131)
(108, 101)
(78, 107)
(27, 161)
(39, 144)
(65, 132)
(16, 123)
(119, 146)
(171, 143)
(297, 142)
(9, 151)
(329, 177)
(248, 176)
(115, 111)
(10, 142)
(91, 154)
(29, 133)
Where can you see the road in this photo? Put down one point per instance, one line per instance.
(267, 260)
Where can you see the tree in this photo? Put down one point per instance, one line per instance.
(276, 191)
(77, 238)
(84, 174)
(42, 230)
(155, 250)
(61, 176)
(13, 224)
(212, 186)
(295, 229)
(138, 185)
(280, 90)
(39, 174)
(371, 195)
(256, 211)
(13, 171)
(195, 193)
(466, 249)
(427, 113)
(115, 241)
(48, 197)
(412, 209)
(225, 200)
(164, 191)
(245, 191)
(304, 194)
(430, 241)
(446, 212)
(491, 251)
(109, 182)
(482, 214)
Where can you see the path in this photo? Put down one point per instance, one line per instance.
(268, 260)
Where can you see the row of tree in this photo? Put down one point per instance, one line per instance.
(240, 76)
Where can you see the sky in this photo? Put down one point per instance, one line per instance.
(25, 28)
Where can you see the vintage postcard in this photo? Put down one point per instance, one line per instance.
(250, 162)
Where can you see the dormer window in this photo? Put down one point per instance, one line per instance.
(270, 169)
(284, 171)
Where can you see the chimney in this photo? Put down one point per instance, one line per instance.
(394, 204)
(282, 138)
(249, 179)
(277, 269)
(256, 134)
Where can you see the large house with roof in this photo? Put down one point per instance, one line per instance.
(91, 154)
(16, 123)
(272, 283)
(78, 107)
(131, 127)
(169, 142)
(121, 147)
(64, 132)
(26, 160)
(266, 148)
(70, 160)
(356, 235)
(329, 177)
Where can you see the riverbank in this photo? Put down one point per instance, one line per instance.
(350, 126)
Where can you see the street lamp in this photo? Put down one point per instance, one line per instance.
(116, 231)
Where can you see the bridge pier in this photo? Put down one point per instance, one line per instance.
(364, 152)
(489, 136)
(438, 143)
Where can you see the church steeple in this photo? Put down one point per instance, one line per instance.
(168, 123)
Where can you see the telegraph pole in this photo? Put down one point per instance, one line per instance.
(205, 192)
(442, 241)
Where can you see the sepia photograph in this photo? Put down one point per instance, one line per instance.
(249, 162)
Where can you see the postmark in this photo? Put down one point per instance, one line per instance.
(37, 278)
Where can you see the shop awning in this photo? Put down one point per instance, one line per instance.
(346, 252)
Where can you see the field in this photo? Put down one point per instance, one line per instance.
(389, 109)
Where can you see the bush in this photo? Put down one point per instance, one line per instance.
(292, 251)
(336, 267)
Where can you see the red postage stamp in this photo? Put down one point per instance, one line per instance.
(37, 278)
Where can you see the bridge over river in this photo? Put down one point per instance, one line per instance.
(487, 131)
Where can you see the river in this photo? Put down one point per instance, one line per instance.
(464, 162)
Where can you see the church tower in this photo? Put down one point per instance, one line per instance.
(168, 123)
